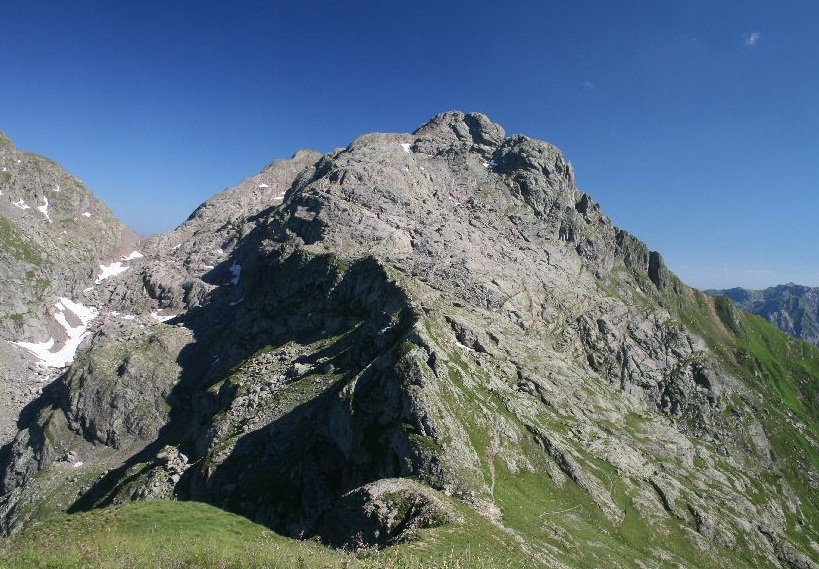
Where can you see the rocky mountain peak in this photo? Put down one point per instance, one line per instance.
(474, 130)
(446, 307)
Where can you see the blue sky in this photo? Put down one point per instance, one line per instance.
(694, 123)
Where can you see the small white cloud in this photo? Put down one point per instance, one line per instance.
(752, 38)
(588, 85)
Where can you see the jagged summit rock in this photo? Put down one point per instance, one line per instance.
(456, 130)
(426, 319)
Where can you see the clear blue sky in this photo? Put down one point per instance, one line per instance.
(695, 124)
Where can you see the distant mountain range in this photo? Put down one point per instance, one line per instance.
(790, 307)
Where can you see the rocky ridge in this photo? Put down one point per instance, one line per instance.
(55, 236)
(422, 318)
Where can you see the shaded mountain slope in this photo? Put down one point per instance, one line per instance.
(440, 313)
(792, 308)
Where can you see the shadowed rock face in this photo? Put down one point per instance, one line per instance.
(442, 313)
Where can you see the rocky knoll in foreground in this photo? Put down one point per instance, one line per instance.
(792, 308)
(425, 321)
(54, 237)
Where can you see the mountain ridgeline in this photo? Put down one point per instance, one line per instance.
(792, 308)
(54, 235)
(433, 338)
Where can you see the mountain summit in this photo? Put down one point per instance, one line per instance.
(419, 328)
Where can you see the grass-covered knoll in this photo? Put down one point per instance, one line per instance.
(163, 534)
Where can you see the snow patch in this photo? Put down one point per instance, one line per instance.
(132, 256)
(406, 146)
(57, 189)
(463, 346)
(44, 208)
(22, 204)
(76, 334)
(235, 302)
(161, 317)
(86, 214)
(85, 313)
(263, 186)
(117, 267)
(111, 270)
(78, 464)
(116, 314)
(235, 270)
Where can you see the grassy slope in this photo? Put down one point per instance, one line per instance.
(559, 520)
(167, 534)
(784, 372)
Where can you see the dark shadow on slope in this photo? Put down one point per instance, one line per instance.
(29, 422)
(193, 366)
(288, 472)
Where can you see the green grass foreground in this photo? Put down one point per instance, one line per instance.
(166, 535)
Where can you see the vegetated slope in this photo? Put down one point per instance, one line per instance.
(54, 235)
(425, 321)
(791, 308)
(161, 533)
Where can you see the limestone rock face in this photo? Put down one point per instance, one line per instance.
(363, 342)
(54, 238)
